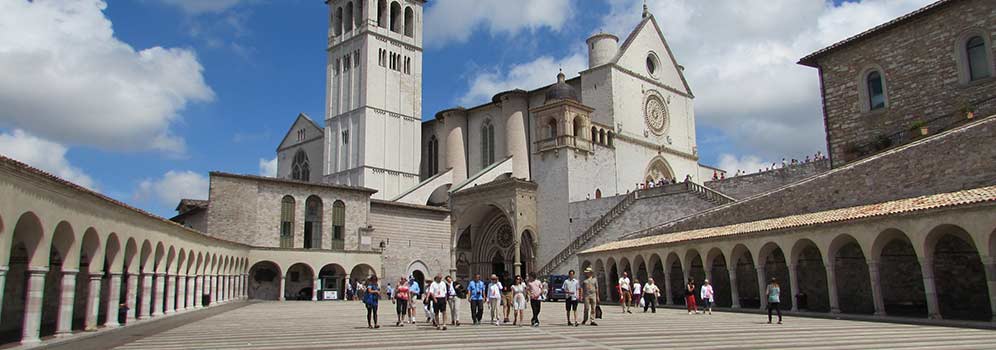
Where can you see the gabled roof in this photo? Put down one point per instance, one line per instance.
(632, 37)
(307, 120)
(934, 201)
(810, 60)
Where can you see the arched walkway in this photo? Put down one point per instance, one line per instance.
(332, 278)
(675, 276)
(773, 265)
(962, 290)
(264, 281)
(901, 276)
(603, 292)
(851, 276)
(811, 277)
(744, 278)
(299, 282)
(660, 278)
(719, 277)
(21, 318)
(613, 280)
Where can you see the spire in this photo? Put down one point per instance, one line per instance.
(646, 10)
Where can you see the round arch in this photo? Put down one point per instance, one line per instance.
(902, 288)
(264, 280)
(850, 273)
(675, 279)
(299, 282)
(23, 252)
(719, 276)
(811, 276)
(331, 278)
(771, 257)
(959, 276)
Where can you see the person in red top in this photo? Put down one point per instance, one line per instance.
(401, 296)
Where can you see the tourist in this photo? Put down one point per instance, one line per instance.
(773, 292)
(360, 290)
(536, 295)
(454, 293)
(401, 297)
(371, 298)
(476, 289)
(625, 294)
(570, 288)
(349, 290)
(494, 298)
(637, 292)
(519, 301)
(650, 294)
(546, 289)
(438, 291)
(415, 293)
(428, 308)
(589, 288)
(507, 298)
(690, 303)
(706, 294)
(390, 292)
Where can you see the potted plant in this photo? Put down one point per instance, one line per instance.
(968, 110)
(922, 126)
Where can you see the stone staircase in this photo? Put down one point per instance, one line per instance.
(598, 227)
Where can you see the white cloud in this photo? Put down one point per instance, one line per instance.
(68, 78)
(740, 58)
(203, 6)
(268, 167)
(453, 21)
(172, 187)
(42, 154)
(745, 164)
(530, 75)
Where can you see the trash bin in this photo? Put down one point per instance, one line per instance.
(207, 299)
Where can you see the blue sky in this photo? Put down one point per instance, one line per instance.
(219, 81)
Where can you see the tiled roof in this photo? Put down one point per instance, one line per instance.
(942, 200)
(810, 60)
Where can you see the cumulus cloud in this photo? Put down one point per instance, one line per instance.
(172, 187)
(453, 21)
(740, 58)
(529, 75)
(42, 154)
(746, 164)
(268, 167)
(203, 6)
(68, 78)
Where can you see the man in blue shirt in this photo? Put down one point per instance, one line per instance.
(476, 289)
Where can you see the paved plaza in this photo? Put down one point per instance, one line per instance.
(308, 325)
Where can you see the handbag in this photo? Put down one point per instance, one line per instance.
(598, 311)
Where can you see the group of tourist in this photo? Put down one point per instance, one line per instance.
(785, 163)
(510, 300)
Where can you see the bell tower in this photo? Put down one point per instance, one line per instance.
(373, 115)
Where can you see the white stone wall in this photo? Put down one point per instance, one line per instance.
(411, 234)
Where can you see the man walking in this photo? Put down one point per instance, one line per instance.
(570, 288)
(535, 297)
(476, 290)
(438, 291)
(589, 289)
(453, 301)
(626, 295)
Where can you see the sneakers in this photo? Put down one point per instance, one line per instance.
(593, 323)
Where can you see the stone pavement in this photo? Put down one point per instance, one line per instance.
(322, 325)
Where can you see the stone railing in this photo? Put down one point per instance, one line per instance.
(593, 231)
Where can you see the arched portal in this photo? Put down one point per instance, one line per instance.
(299, 282)
(658, 169)
(63, 242)
(660, 279)
(612, 273)
(719, 277)
(640, 269)
(27, 235)
(851, 276)
(811, 276)
(332, 278)
(746, 283)
(675, 279)
(599, 272)
(772, 258)
(901, 278)
(959, 276)
(264, 281)
(491, 246)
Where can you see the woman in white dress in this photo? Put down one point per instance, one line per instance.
(518, 300)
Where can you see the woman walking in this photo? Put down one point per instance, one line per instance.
(494, 298)
(650, 295)
(637, 293)
(690, 302)
(518, 301)
(773, 291)
(706, 294)
(401, 298)
(370, 298)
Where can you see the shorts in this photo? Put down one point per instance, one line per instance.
(520, 304)
(572, 305)
(439, 304)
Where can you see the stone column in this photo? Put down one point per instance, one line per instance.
(762, 285)
(64, 324)
(667, 288)
(454, 122)
(3, 283)
(143, 311)
(794, 284)
(832, 287)
(195, 292)
(518, 257)
(876, 286)
(734, 293)
(929, 288)
(314, 290)
(245, 286)
(212, 288)
(171, 294)
(159, 292)
(990, 265)
(130, 297)
(113, 299)
(182, 294)
(515, 107)
(281, 281)
(33, 305)
(92, 303)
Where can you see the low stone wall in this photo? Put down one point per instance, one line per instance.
(744, 186)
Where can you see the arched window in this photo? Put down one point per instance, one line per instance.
(608, 137)
(337, 26)
(551, 128)
(576, 125)
(409, 22)
(338, 225)
(594, 134)
(347, 18)
(382, 13)
(359, 17)
(396, 17)
(313, 223)
(300, 169)
(487, 144)
(978, 58)
(598, 193)
(287, 222)
(876, 90)
(432, 155)
(601, 136)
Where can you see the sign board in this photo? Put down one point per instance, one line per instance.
(330, 295)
